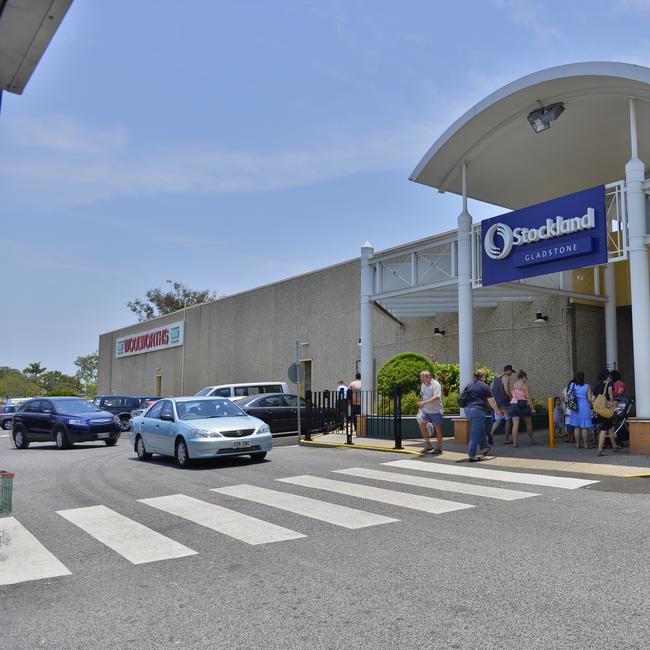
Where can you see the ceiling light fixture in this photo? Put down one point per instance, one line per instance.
(541, 118)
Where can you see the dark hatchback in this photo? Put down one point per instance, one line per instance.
(64, 420)
(280, 412)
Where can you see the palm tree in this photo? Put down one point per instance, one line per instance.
(34, 370)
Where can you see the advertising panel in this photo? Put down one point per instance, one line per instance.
(565, 233)
(159, 338)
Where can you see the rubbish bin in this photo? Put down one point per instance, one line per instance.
(6, 492)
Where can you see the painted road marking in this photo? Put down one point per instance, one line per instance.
(307, 507)
(25, 557)
(405, 500)
(438, 484)
(5, 435)
(231, 523)
(493, 474)
(133, 541)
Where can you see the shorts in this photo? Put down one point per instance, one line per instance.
(434, 418)
(504, 413)
(520, 409)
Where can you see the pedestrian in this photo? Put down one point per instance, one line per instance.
(430, 405)
(568, 402)
(341, 396)
(618, 385)
(558, 417)
(502, 396)
(581, 416)
(354, 396)
(477, 393)
(521, 406)
(604, 424)
(341, 390)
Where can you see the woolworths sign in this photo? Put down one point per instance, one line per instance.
(565, 233)
(159, 338)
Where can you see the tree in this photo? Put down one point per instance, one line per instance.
(55, 381)
(34, 370)
(87, 373)
(403, 370)
(13, 383)
(159, 302)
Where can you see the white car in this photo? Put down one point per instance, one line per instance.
(237, 391)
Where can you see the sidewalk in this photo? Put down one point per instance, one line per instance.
(563, 457)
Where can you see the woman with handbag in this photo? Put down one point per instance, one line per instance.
(581, 415)
(604, 408)
(521, 406)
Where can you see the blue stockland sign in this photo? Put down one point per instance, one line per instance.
(565, 233)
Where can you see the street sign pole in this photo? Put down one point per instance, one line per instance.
(298, 384)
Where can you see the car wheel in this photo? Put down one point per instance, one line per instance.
(182, 456)
(143, 454)
(20, 440)
(260, 455)
(6, 425)
(61, 438)
(125, 424)
(112, 441)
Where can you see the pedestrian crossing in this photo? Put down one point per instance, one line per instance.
(24, 557)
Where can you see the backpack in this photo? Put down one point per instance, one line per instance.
(602, 406)
(463, 398)
(571, 399)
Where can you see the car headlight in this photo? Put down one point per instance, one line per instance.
(202, 433)
(264, 428)
(77, 423)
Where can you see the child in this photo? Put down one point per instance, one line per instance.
(558, 417)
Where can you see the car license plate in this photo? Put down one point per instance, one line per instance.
(240, 444)
(103, 435)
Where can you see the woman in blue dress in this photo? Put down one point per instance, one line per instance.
(581, 418)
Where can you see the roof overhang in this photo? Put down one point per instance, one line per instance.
(26, 29)
(512, 166)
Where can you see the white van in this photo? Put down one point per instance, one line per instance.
(237, 391)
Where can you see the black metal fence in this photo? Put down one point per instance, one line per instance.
(364, 413)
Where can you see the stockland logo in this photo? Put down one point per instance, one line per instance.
(500, 238)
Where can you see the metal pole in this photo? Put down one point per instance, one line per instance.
(611, 330)
(307, 437)
(551, 423)
(183, 352)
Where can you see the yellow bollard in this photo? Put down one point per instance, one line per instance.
(551, 424)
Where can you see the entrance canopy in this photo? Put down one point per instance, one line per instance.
(512, 166)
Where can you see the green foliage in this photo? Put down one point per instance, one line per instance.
(13, 383)
(64, 393)
(159, 302)
(34, 369)
(448, 374)
(55, 381)
(450, 403)
(409, 405)
(403, 370)
(87, 373)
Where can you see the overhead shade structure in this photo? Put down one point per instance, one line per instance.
(26, 29)
(513, 166)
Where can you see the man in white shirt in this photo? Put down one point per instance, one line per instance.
(430, 411)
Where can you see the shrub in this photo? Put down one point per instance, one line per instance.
(450, 403)
(448, 374)
(403, 371)
(409, 405)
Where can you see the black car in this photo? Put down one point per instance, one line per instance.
(65, 420)
(121, 405)
(280, 412)
(6, 416)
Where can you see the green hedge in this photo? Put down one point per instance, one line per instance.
(403, 371)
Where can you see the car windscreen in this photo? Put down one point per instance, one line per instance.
(75, 406)
(204, 391)
(208, 408)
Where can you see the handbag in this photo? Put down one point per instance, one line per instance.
(463, 398)
(571, 399)
(602, 406)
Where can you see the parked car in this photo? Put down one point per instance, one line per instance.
(280, 412)
(6, 416)
(122, 405)
(65, 420)
(237, 391)
(143, 407)
(188, 428)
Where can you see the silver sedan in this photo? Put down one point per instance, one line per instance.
(189, 428)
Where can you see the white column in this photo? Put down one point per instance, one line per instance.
(639, 281)
(367, 380)
(611, 327)
(465, 306)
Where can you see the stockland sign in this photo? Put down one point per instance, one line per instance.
(565, 233)
(165, 336)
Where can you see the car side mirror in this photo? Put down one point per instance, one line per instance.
(167, 417)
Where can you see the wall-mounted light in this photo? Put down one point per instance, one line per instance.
(438, 332)
(540, 318)
(359, 340)
(541, 118)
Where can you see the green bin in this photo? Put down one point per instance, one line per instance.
(6, 492)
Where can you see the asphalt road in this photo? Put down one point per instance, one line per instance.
(566, 568)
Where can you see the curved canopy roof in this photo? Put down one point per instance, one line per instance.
(511, 165)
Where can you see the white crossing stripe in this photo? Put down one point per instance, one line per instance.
(25, 557)
(5, 435)
(405, 500)
(438, 484)
(543, 480)
(133, 541)
(321, 510)
(229, 522)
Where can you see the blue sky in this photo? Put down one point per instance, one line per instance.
(231, 144)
